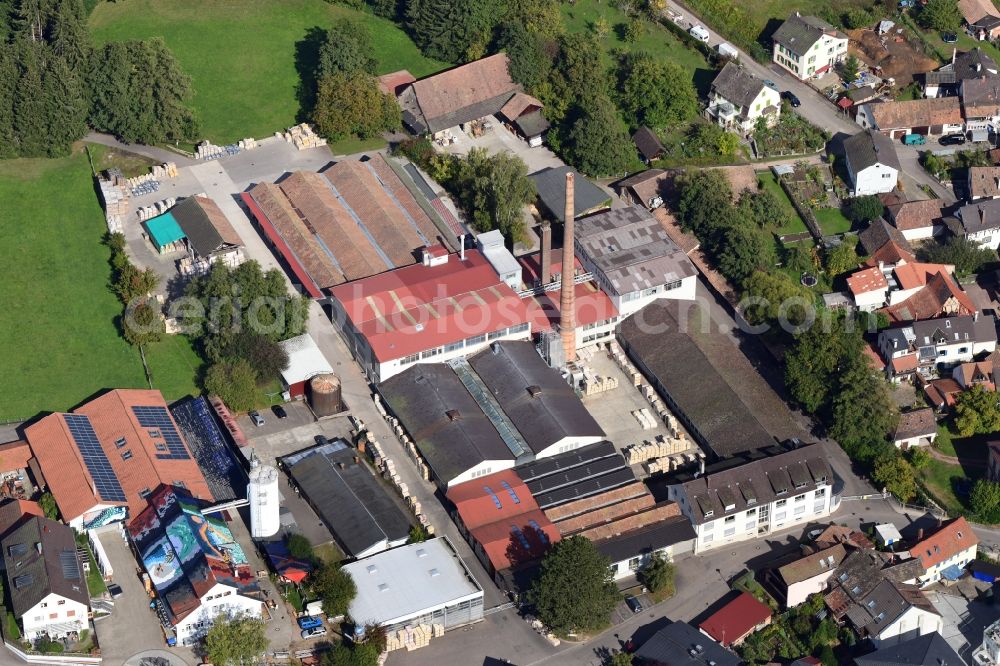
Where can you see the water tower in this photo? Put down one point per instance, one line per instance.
(262, 493)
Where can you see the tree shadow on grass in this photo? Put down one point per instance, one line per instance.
(306, 61)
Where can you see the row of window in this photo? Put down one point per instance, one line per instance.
(461, 344)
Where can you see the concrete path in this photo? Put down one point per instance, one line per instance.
(152, 152)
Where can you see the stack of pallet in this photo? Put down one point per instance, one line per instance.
(593, 384)
(165, 170)
(413, 637)
(644, 418)
(660, 448)
(141, 185)
(303, 137)
(209, 151)
(248, 144)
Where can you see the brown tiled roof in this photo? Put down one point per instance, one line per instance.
(941, 295)
(648, 184)
(974, 10)
(648, 143)
(942, 391)
(686, 241)
(621, 524)
(14, 455)
(835, 534)
(516, 105)
(917, 113)
(820, 562)
(984, 181)
(586, 504)
(918, 423)
(393, 82)
(916, 214)
(948, 541)
(112, 419)
(970, 373)
(464, 86)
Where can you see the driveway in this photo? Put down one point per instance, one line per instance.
(500, 140)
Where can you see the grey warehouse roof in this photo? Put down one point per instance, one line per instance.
(631, 248)
(551, 186)
(647, 539)
(40, 558)
(411, 580)
(347, 497)
(575, 474)
(680, 644)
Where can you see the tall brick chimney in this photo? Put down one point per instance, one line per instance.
(567, 318)
(546, 275)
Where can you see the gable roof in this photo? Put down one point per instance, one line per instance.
(880, 233)
(868, 148)
(949, 540)
(40, 559)
(867, 280)
(187, 553)
(975, 10)
(393, 83)
(648, 143)
(980, 97)
(984, 181)
(461, 94)
(916, 423)
(648, 184)
(968, 374)
(798, 33)
(550, 183)
(916, 214)
(973, 64)
(205, 225)
(927, 650)
(940, 295)
(979, 216)
(517, 104)
(737, 85)
(916, 113)
(736, 619)
(818, 563)
(13, 512)
(680, 644)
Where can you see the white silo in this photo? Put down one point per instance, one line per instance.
(262, 493)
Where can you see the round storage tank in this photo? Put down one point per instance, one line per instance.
(324, 394)
(265, 509)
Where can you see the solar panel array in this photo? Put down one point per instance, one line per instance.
(226, 479)
(108, 486)
(70, 565)
(159, 418)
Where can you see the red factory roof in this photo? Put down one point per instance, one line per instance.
(495, 508)
(591, 305)
(112, 420)
(415, 308)
(735, 620)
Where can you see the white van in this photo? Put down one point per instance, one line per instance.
(699, 32)
(727, 50)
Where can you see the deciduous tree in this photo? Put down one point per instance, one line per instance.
(598, 143)
(985, 500)
(865, 208)
(574, 591)
(770, 297)
(966, 256)
(350, 103)
(236, 641)
(346, 47)
(658, 575)
(842, 258)
(235, 382)
(894, 474)
(942, 15)
(863, 411)
(336, 587)
(448, 29)
(655, 93)
(977, 411)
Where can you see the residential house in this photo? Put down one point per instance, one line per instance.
(730, 503)
(946, 81)
(983, 182)
(934, 343)
(976, 373)
(872, 164)
(919, 116)
(647, 188)
(199, 571)
(523, 113)
(839, 534)
(869, 288)
(738, 99)
(979, 222)
(918, 220)
(797, 580)
(885, 244)
(981, 17)
(680, 644)
(927, 650)
(648, 144)
(946, 551)
(869, 592)
(980, 105)
(925, 291)
(739, 618)
(917, 427)
(43, 576)
(942, 393)
(808, 46)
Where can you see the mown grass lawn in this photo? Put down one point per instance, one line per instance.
(795, 225)
(58, 340)
(580, 16)
(940, 477)
(832, 221)
(241, 56)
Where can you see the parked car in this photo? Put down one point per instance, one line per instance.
(310, 622)
(699, 32)
(952, 140)
(949, 37)
(279, 411)
(315, 632)
(115, 590)
(634, 604)
(792, 99)
(914, 139)
(257, 419)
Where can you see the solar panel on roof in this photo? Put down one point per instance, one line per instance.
(510, 491)
(496, 500)
(158, 418)
(105, 480)
(70, 565)
(541, 533)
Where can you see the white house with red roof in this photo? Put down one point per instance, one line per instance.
(869, 288)
(448, 306)
(947, 551)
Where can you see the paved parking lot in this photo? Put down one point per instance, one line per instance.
(501, 140)
(280, 437)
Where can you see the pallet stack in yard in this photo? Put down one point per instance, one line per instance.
(302, 137)
(413, 637)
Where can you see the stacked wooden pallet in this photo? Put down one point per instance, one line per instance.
(413, 637)
(303, 137)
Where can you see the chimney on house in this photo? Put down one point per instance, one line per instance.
(567, 318)
(546, 275)
(954, 53)
(920, 534)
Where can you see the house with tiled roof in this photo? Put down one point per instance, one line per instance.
(976, 373)
(738, 99)
(894, 119)
(647, 188)
(869, 592)
(942, 393)
(917, 220)
(199, 571)
(103, 460)
(946, 80)
(648, 144)
(838, 534)
(797, 580)
(980, 103)
(739, 618)
(884, 244)
(925, 291)
(936, 343)
(209, 236)
(946, 551)
(979, 222)
(983, 182)
(917, 427)
(808, 46)
(982, 18)
(872, 164)
(868, 287)
(44, 578)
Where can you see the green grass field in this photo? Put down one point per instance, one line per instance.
(937, 477)
(795, 225)
(58, 340)
(832, 221)
(655, 40)
(241, 56)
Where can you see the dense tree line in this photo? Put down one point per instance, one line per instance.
(53, 83)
